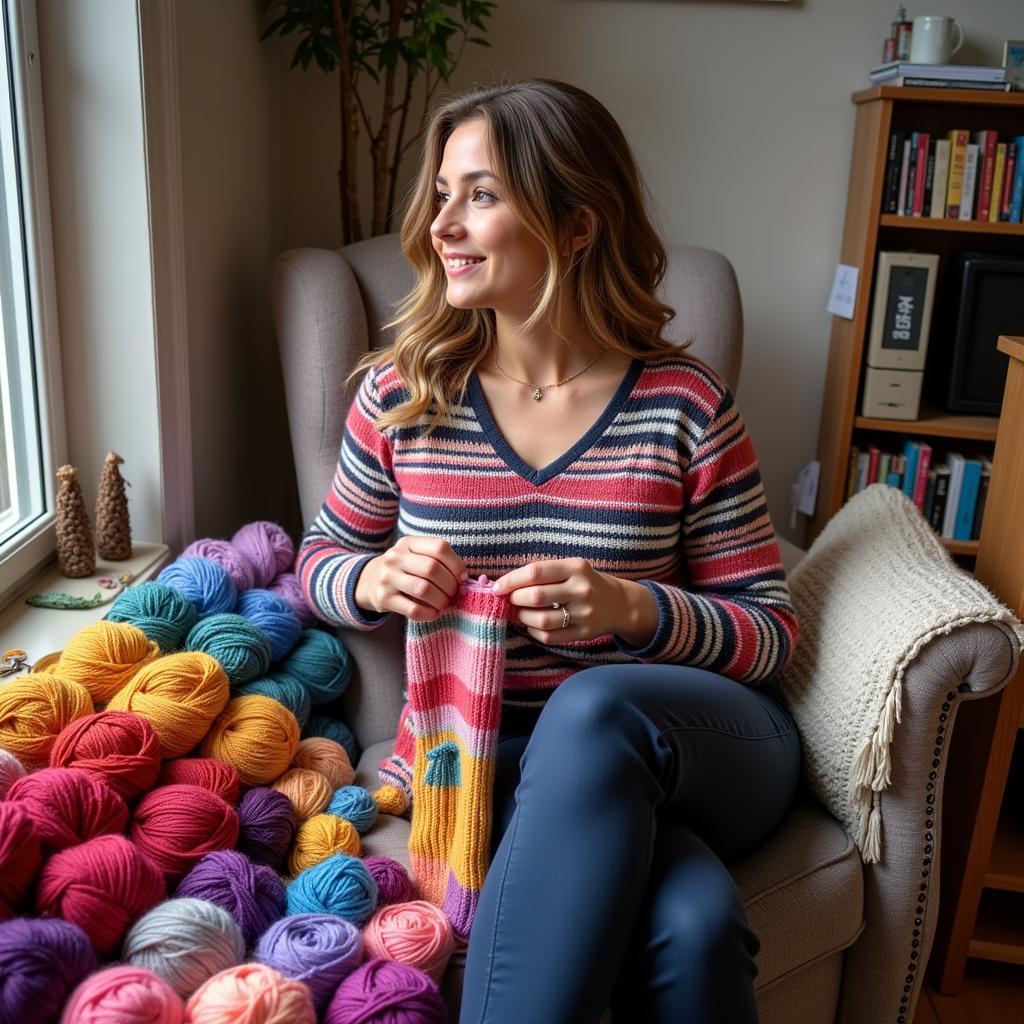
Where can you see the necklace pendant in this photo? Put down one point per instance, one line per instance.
(538, 395)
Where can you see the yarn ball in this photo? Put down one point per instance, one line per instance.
(332, 729)
(34, 708)
(69, 806)
(256, 736)
(283, 688)
(41, 961)
(10, 770)
(327, 757)
(266, 826)
(251, 893)
(104, 656)
(163, 613)
(274, 616)
(120, 747)
(227, 556)
(179, 824)
(242, 649)
(321, 662)
(287, 585)
(251, 994)
(180, 695)
(316, 949)
(268, 548)
(185, 941)
(101, 885)
(319, 838)
(416, 933)
(339, 885)
(207, 585)
(20, 854)
(308, 791)
(393, 882)
(385, 992)
(355, 804)
(205, 772)
(124, 995)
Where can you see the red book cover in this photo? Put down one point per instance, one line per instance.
(1011, 167)
(986, 166)
(924, 462)
(874, 454)
(923, 139)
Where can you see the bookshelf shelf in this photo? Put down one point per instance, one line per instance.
(1006, 864)
(960, 547)
(932, 423)
(999, 933)
(974, 227)
(909, 94)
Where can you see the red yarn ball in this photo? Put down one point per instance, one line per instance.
(20, 855)
(120, 746)
(69, 806)
(176, 825)
(207, 772)
(102, 885)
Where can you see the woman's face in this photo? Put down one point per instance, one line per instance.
(474, 220)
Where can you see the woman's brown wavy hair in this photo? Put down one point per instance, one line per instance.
(554, 148)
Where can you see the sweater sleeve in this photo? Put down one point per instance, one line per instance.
(734, 617)
(356, 520)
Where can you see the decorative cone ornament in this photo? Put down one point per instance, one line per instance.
(113, 527)
(75, 554)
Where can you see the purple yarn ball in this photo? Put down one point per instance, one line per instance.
(251, 893)
(268, 548)
(387, 992)
(227, 556)
(317, 949)
(287, 585)
(393, 882)
(41, 961)
(206, 584)
(266, 822)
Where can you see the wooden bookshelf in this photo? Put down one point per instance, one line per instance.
(974, 227)
(936, 424)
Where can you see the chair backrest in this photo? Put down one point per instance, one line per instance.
(328, 307)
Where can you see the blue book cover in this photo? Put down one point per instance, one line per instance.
(893, 480)
(910, 452)
(1017, 195)
(968, 499)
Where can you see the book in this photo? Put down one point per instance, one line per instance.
(998, 171)
(929, 180)
(901, 188)
(892, 170)
(862, 471)
(1011, 168)
(874, 455)
(968, 499)
(924, 462)
(929, 495)
(883, 467)
(938, 512)
(851, 472)
(908, 197)
(910, 454)
(967, 197)
(957, 158)
(979, 508)
(1017, 196)
(921, 167)
(948, 83)
(955, 461)
(941, 182)
(964, 72)
(986, 142)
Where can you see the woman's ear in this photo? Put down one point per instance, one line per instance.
(580, 231)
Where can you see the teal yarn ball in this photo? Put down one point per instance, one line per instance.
(354, 804)
(242, 649)
(321, 662)
(324, 725)
(285, 690)
(339, 885)
(164, 614)
(273, 614)
(204, 583)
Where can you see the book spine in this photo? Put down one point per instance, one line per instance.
(883, 467)
(910, 453)
(939, 501)
(968, 499)
(999, 170)
(970, 182)
(929, 495)
(1017, 198)
(892, 170)
(956, 475)
(979, 509)
(921, 169)
(941, 182)
(949, 83)
(924, 462)
(873, 458)
(908, 196)
(901, 192)
(851, 472)
(929, 181)
(986, 143)
(957, 159)
(1011, 169)
(862, 471)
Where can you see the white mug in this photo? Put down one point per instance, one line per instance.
(931, 41)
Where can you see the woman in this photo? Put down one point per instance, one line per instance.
(531, 423)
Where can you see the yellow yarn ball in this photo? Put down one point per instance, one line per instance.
(309, 791)
(105, 656)
(256, 735)
(390, 800)
(33, 710)
(328, 757)
(321, 837)
(179, 694)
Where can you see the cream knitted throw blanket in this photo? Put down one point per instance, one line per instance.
(875, 587)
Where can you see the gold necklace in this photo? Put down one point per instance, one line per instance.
(539, 389)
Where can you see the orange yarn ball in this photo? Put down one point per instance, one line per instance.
(308, 791)
(104, 656)
(250, 994)
(179, 694)
(321, 837)
(415, 933)
(328, 757)
(33, 710)
(256, 735)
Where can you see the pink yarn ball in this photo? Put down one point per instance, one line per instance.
(268, 548)
(287, 585)
(416, 933)
(384, 992)
(10, 771)
(124, 995)
(227, 556)
(250, 994)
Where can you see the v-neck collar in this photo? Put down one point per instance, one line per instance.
(511, 458)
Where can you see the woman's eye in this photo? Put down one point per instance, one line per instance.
(439, 197)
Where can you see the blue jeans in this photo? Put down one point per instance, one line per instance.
(615, 811)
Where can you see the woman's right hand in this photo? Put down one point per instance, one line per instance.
(416, 577)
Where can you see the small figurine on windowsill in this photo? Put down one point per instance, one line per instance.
(75, 554)
(113, 526)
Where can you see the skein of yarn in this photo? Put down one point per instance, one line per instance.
(268, 548)
(284, 689)
(251, 893)
(251, 994)
(332, 729)
(385, 992)
(355, 804)
(287, 585)
(101, 885)
(33, 709)
(227, 556)
(242, 649)
(266, 826)
(20, 855)
(104, 656)
(308, 791)
(10, 771)
(321, 662)
(316, 949)
(206, 585)
(319, 838)
(205, 772)
(123, 995)
(185, 941)
(393, 882)
(326, 757)
(339, 885)
(416, 933)
(273, 615)
(256, 736)
(163, 613)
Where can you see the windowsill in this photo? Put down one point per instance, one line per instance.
(42, 631)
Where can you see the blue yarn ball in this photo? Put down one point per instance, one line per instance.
(285, 690)
(324, 725)
(242, 649)
(164, 614)
(339, 885)
(321, 662)
(354, 804)
(204, 583)
(273, 614)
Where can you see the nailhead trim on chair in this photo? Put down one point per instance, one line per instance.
(929, 836)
